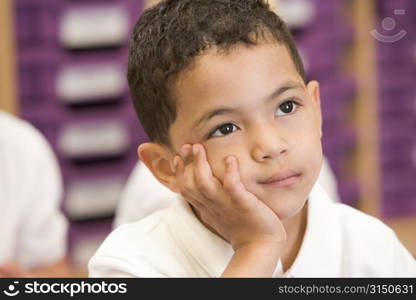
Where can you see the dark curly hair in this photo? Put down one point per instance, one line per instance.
(170, 35)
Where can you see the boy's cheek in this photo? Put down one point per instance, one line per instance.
(218, 152)
(216, 160)
(218, 167)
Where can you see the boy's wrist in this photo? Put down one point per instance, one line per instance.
(254, 260)
(269, 248)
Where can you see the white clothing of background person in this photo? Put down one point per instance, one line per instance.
(143, 194)
(33, 230)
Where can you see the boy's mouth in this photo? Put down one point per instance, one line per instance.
(282, 178)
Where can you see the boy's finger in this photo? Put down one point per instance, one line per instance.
(204, 179)
(186, 153)
(232, 180)
(185, 180)
(179, 172)
(178, 165)
(194, 202)
(183, 174)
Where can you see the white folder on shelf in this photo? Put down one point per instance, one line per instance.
(296, 13)
(84, 83)
(92, 27)
(94, 198)
(93, 139)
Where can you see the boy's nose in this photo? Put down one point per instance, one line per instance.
(267, 144)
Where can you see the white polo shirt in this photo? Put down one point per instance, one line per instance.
(32, 228)
(339, 242)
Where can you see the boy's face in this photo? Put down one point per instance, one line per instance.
(252, 103)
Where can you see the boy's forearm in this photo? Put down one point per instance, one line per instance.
(253, 261)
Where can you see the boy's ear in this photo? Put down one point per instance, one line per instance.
(313, 90)
(159, 160)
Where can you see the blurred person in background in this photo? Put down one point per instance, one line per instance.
(143, 194)
(33, 231)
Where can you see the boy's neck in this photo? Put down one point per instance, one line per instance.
(295, 230)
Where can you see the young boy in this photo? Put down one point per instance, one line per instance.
(220, 89)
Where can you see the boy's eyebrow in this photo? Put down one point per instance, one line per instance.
(226, 110)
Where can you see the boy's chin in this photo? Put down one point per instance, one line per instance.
(288, 209)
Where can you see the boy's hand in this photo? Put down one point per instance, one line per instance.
(235, 213)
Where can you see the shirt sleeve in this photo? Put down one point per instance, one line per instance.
(41, 236)
(108, 266)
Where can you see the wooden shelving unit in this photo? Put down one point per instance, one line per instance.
(365, 70)
(368, 158)
(8, 90)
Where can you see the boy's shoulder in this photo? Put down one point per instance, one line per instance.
(343, 241)
(132, 233)
(361, 231)
(348, 219)
(143, 249)
(354, 219)
(371, 242)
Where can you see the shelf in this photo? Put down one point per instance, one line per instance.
(8, 99)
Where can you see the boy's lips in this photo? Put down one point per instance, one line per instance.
(282, 178)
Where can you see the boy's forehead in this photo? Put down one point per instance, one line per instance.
(214, 58)
(216, 76)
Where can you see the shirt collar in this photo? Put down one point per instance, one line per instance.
(319, 255)
(320, 252)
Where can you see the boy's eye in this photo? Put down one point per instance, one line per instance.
(223, 130)
(286, 108)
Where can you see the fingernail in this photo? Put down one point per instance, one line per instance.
(184, 152)
(229, 160)
(175, 162)
(195, 149)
